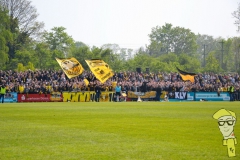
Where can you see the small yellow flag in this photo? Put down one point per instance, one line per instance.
(114, 84)
(86, 81)
(100, 69)
(70, 66)
(187, 77)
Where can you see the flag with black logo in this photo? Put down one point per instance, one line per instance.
(186, 76)
(70, 66)
(100, 69)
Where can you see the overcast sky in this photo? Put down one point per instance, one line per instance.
(129, 22)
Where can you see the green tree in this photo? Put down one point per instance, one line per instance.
(212, 64)
(23, 24)
(161, 39)
(140, 60)
(59, 40)
(172, 39)
(129, 53)
(20, 67)
(115, 63)
(123, 54)
(228, 56)
(108, 56)
(55, 44)
(171, 57)
(114, 47)
(158, 66)
(184, 41)
(96, 52)
(236, 52)
(30, 66)
(118, 57)
(81, 54)
(205, 44)
(80, 44)
(5, 37)
(23, 56)
(52, 63)
(42, 56)
(156, 48)
(190, 64)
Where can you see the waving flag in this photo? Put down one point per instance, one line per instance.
(186, 75)
(100, 69)
(70, 66)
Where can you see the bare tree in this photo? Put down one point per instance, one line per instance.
(236, 15)
(25, 14)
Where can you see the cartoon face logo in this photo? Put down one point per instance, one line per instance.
(226, 124)
(71, 67)
(226, 121)
(69, 64)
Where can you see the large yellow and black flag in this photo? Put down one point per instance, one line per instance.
(186, 75)
(70, 66)
(100, 69)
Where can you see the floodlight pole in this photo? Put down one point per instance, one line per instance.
(222, 51)
(204, 55)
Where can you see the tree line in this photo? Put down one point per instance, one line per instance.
(24, 44)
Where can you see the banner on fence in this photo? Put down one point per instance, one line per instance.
(163, 94)
(208, 96)
(109, 96)
(54, 97)
(175, 95)
(190, 96)
(33, 97)
(10, 97)
(212, 96)
(150, 94)
(87, 96)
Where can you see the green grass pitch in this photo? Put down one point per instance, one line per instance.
(114, 131)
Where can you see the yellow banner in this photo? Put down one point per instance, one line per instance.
(100, 69)
(70, 66)
(87, 96)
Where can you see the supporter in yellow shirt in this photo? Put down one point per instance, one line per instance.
(48, 88)
(21, 88)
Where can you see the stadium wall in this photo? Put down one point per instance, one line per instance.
(109, 96)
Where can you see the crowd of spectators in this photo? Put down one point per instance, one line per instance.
(47, 81)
